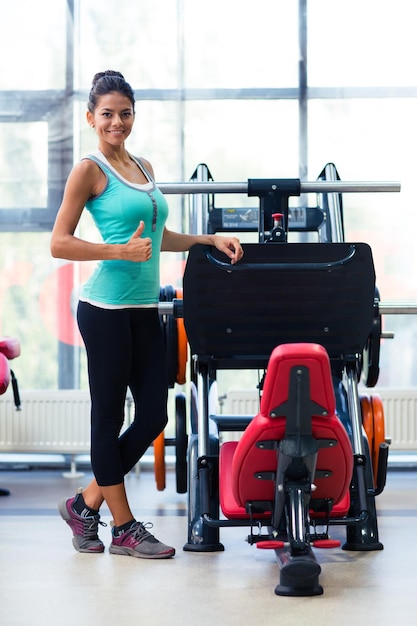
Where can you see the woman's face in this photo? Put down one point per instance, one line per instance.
(113, 118)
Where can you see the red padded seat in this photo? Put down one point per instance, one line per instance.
(241, 462)
(4, 373)
(10, 347)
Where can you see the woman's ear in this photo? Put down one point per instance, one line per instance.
(90, 118)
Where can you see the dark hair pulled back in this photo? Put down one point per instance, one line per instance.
(106, 82)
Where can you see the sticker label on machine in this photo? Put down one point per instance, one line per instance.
(240, 218)
(248, 218)
(297, 218)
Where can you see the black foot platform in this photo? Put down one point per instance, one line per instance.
(299, 576)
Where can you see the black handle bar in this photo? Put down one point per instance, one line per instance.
(242, 266)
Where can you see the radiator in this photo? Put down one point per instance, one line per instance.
(49, 421)
(400, 412)
(59, 421)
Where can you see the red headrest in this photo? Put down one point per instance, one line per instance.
(286, 356)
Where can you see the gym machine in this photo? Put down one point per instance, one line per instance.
(309, 316)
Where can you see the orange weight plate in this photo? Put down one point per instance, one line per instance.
(368, 419)
(182, 346)
(379, 429)
(159, 461)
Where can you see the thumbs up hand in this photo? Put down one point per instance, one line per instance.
(138, 248)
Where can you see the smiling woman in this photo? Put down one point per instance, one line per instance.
(118, 313)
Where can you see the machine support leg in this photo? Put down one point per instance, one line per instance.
(203, 498)
(364, 536)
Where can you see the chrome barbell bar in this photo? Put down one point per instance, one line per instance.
(385, 308)
(397, 308)
(318, 186)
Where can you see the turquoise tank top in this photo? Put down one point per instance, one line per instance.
(117, 212)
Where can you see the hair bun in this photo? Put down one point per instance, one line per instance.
(101, 75)
(107, 82)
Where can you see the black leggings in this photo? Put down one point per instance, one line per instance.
(125, 348)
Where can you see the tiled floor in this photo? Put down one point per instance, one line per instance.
(43, 580)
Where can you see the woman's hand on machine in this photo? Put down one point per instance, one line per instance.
(230, 246)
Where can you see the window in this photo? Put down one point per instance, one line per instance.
(220, 83)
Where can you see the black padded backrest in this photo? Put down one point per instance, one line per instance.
(279, 293)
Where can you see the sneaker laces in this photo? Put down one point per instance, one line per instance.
(141, 532)
(90, 526)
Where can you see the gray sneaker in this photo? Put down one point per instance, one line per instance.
(138, 541)
(85, 529)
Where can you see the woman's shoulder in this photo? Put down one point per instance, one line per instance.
(87, 167)
(84, 169)
(94, 159)
(90, 175)
(146, 165)
(145, 162)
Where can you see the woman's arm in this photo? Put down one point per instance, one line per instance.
(179, 242)
(83, 183)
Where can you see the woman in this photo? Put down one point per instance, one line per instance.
(118, 313)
